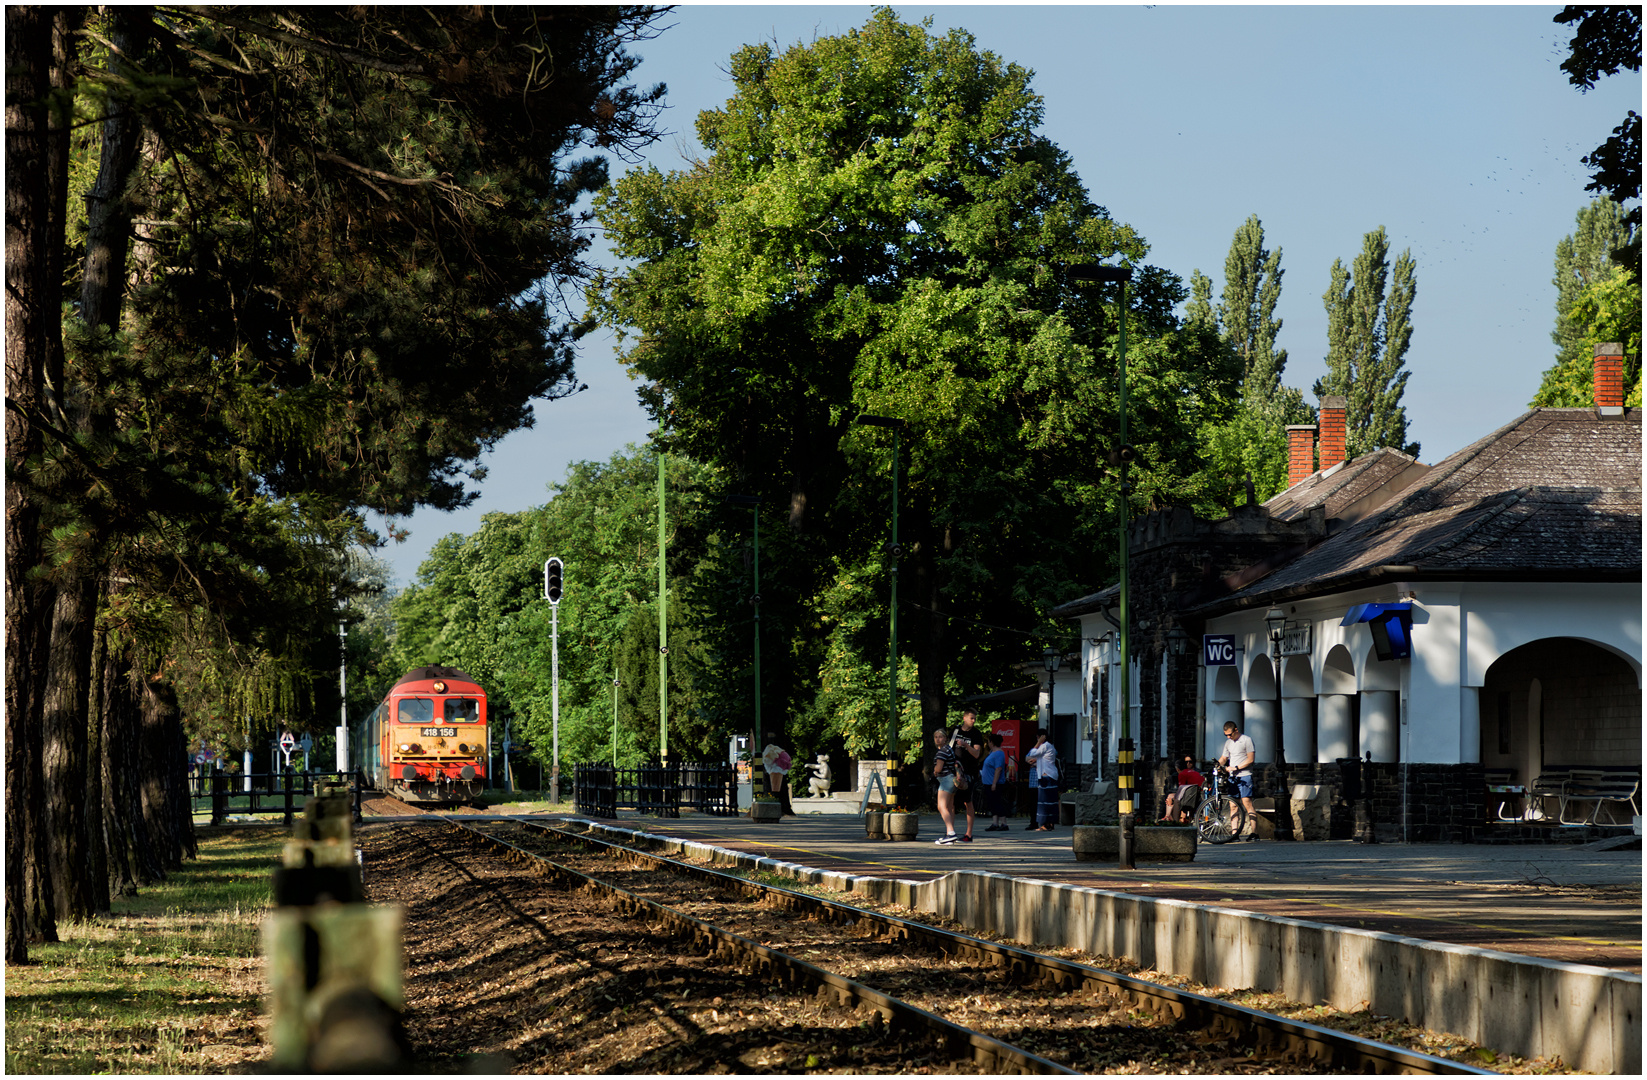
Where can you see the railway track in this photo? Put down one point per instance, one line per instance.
(922, 987)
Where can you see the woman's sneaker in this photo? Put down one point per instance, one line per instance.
(950, 839)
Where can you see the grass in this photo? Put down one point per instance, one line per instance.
(171, 981)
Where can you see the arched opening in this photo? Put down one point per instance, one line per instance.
(1337, 709)
(1223, 703)
(1298, 709)
(1259, 708)
(1559, 702)
(1379, 716)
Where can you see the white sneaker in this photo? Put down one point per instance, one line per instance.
(950, 839)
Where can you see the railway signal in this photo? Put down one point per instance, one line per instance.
(554, 573)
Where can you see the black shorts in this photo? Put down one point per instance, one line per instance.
(969, 794)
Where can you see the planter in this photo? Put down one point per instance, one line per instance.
(1152, 843)
(901, 825)
(766, 810)
(875, 824)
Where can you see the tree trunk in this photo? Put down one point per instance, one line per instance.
(30, 314)
(162, 747)
(96, 831)
(64, 747)
(117, 713)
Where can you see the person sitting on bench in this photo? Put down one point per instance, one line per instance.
(1181, 804)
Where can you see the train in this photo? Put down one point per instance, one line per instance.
(426, 742)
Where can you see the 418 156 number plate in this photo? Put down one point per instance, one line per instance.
(437, 732)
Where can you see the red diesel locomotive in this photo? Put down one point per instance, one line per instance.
(426, 742)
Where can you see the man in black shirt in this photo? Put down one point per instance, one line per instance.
(970, 747)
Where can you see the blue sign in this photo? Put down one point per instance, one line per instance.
(1218, 650)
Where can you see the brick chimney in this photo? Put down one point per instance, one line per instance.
(1609, 379)
(1300, 452)
(1332, 430)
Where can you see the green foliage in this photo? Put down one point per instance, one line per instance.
(879, 228)
(478, 605)
(1593, 299)
(1608, 38)
(1252, 442)
(1368, 331)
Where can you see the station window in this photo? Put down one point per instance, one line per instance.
(417, 710)
(462, 710)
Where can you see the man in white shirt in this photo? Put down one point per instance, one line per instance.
(1238, 756)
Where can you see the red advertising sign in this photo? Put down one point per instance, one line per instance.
(1008, 731)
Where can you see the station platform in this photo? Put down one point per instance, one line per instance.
(1576, 904)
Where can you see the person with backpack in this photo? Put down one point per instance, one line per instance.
(947, 771)
(968, 743)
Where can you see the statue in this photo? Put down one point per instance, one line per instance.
(821, 774)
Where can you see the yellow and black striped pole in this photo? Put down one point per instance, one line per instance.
(1125, 775)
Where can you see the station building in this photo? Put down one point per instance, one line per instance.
(1437, 626)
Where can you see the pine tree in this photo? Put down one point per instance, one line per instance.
(1369, 328)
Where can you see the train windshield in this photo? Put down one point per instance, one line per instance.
(416, 710)
(462, 710)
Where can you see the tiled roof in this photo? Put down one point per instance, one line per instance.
(1556, 494)
(1342, 486)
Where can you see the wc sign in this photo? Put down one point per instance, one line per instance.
(1219, 649)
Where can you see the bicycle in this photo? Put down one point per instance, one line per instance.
(1220, 817)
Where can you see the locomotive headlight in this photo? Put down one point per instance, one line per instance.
(463, 748)
(405, 748)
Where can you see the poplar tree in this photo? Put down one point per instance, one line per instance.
(1254, 441)
(1583, 267)
(1369, 327)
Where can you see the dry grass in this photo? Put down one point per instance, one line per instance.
(171, 981)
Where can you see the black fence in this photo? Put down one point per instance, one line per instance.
(271, 793)
(709, 787)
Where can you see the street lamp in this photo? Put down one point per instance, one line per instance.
(1050, 660)
(894, 550)
(1276, 620)
(1123, 457)
(754, 502)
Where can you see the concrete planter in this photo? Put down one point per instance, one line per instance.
(766, 810)
(875, 824)
(902, 826)
(1152, 843)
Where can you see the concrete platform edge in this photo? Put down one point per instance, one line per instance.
(1589, 1017)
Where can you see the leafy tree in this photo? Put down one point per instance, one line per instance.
(304, 227)
(1607, 39)
(1253, 442)
(1584, 271)
(879, 228)
(478, 605)
(1368, 330)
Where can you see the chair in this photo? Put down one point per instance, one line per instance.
(1501, 786)
(1550, 784)
(1598, 787)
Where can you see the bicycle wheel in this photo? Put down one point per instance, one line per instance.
(1213, 822)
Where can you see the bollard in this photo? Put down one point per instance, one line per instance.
(334, 962)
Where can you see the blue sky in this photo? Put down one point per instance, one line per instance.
(1452, 127)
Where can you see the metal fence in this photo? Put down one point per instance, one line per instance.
(268, 793)
(664, 789)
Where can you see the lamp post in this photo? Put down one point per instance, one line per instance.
(1050, 659)
(754, 502)
(1276, 620)
(1123, 457)
(893, 550)
(1178, 644)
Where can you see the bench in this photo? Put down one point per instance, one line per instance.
(1550, 784)
(1598, 786)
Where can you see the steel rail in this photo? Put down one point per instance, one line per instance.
(775, 966)
(1321, 1044)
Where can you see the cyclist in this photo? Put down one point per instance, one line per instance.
(1238, 755)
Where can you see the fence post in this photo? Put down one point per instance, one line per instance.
(218, 800)
(286, 792)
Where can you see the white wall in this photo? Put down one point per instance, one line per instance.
(1459, 630)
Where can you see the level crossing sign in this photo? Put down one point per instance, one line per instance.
(286, 744)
